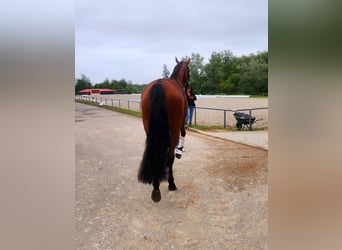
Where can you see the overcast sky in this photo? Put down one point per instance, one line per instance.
(132, 39)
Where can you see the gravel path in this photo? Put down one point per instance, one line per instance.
(221, 201)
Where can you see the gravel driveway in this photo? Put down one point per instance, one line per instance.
(221, 201)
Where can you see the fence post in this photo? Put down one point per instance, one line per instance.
(195, 116)
(119, 104)
(128, 104)
(224, 119)
(250, 120)
(112, 103)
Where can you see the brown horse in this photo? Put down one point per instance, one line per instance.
(164, 108)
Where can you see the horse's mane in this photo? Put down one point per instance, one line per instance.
(176, 71)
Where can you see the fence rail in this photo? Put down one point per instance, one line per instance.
(121, 103)
(136, 106)
(229, 110)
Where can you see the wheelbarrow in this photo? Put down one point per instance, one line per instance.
(244, 120)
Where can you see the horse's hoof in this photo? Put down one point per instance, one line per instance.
(172, 187)
(178, 153)
(156, 197)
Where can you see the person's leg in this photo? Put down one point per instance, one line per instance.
(191, 111)
(187, 118)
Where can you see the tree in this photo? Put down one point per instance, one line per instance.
(122, 84)
(82, 83)
(254, 74)
(166, 72)
(213, 73)
(196, 72)
(225, 87)
(227, 60)
(104, 85)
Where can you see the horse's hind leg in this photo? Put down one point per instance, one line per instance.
(156, 196)
(180, 145)
(172, 185)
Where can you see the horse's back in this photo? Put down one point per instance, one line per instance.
(173, 93)
(175, 103)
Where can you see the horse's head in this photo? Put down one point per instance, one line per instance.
(181, 72)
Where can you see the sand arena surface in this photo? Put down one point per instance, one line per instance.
(204, 116)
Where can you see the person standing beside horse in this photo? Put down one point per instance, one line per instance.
(191, 97)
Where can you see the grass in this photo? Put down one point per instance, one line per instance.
(211, 128)
(221, 128)
(258, 96)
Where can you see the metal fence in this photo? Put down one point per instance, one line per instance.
(200, 116)
(119, 103)
(224, 111)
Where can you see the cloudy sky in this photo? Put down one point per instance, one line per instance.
(132, 39)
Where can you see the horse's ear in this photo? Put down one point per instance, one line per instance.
(188, 61)
(177, 60)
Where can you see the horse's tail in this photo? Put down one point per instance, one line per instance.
(158, 142)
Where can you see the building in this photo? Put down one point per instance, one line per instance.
(96, 92)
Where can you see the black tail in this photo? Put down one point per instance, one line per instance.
(153, 164)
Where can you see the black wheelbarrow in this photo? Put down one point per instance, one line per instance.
(244, 120)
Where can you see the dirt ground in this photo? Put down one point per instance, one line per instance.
(221, 201)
